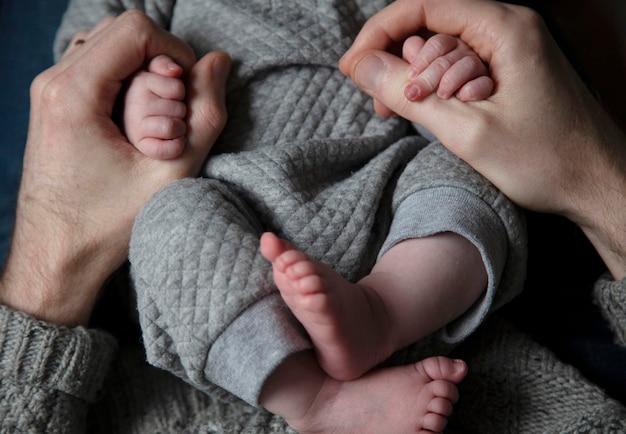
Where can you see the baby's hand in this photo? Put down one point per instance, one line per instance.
(154, 110)
(445, 64)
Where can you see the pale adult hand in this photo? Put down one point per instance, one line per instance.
(541, 137)
(83, 183)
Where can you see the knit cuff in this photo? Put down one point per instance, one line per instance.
(253, 346)
(610, 296)
(37, 354)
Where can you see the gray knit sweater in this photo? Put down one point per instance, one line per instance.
(303, 155)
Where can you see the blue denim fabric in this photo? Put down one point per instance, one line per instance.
(27, 29)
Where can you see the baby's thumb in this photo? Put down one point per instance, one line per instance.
(206, 115)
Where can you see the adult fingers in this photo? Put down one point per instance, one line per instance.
(129, 41)
(472, 20)
(83, 36)
(95, 71)
(77, 41)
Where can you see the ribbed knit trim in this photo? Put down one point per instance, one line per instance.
(32, 352)
(610, 296)
(269, 333)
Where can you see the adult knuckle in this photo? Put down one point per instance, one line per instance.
(138, 24)
(528, 17)
(53, 92)
(137, 19)
(38, 84)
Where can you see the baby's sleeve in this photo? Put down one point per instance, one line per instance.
(437, 192)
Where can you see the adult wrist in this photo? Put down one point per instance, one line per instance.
(600, 212)
(53, 275)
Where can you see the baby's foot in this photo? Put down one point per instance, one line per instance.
(154, 110)
(347, 322)
(405, 399)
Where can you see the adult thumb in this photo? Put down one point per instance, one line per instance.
(206, 94)
(384, 77)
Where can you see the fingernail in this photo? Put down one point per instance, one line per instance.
(459, 365)
(221, 68)
(412, 92)
(412, 73)
(174, 68)
(369, 72)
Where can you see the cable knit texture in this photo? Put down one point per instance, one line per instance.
(47, 373)
(610, 296)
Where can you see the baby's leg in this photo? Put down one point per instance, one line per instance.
(154, 110)
(416, 398)
(348, 323)
(446, 65)
(417, 287)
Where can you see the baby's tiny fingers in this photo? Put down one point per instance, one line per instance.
(165, 87)
(462, 71)
(476, 90)
(411, 49)
(435, 47)
(164, 65)
(167, 107)
(163, 127)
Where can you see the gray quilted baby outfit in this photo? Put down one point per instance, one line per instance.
(303, 155)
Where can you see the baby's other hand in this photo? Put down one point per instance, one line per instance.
(154, 110)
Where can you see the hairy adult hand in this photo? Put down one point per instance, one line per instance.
(541, 137)
(83, 183)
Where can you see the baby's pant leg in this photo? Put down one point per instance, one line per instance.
(208, 307)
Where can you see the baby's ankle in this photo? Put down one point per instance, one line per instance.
(291, 390)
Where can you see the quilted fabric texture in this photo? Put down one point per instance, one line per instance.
(303, 155)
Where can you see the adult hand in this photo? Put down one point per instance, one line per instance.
(83, 183)
(541, 137)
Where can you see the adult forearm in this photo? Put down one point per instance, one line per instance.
(600, 210)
